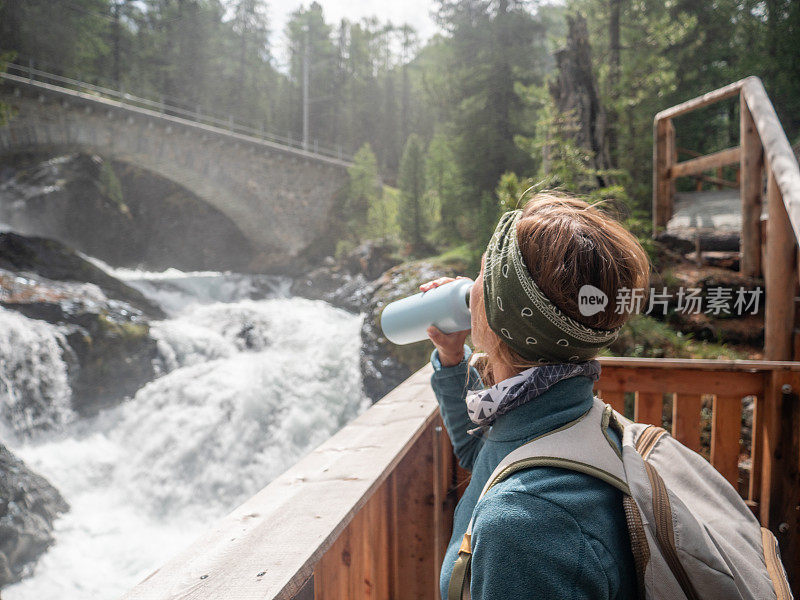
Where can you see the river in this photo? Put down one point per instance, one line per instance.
(250, 380)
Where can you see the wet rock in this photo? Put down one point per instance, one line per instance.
(385, 365)
(110, 353)
(348, 282)
(105, 322)
(54, 261)
(119, 213)
(28, 506)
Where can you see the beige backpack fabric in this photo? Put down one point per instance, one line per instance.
(692, 535)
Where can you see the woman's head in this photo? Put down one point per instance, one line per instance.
(563, 244)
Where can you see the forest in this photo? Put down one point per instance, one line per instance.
(447, 133)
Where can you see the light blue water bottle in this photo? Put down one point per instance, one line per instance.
(446, 307)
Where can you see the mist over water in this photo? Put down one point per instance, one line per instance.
(247, 387)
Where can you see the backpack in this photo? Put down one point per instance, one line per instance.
(692, 535)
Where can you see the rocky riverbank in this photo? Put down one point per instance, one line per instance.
(365, 281)
(105, 322)
(102, 335)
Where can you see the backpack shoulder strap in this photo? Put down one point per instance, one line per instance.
(582, 445)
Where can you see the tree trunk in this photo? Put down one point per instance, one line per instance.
(576, 97)
(613, 75)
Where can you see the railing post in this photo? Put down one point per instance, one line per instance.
(780, 277)
(750, 188)
(662, 199)
(778, 505)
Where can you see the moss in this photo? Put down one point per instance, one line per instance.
(126, 330)
(647, 337)
(111, 187)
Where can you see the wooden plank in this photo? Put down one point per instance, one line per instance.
(777, 151)
(779, 477)
(779, 277)
(726, 426)
(615, 399)
(285, 529)
(697, 364)
(686, 420)
(672, 158)
(754, 493)
(684, 381)
(660, 181)
(696, 166)
(648, 407)
(751, 166)
(722, 93)
(331, 573)
(417, 571)
(444, 502)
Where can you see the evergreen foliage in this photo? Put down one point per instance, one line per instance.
(411, 180)
(475, 95)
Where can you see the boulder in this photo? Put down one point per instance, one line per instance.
(348, 282)
(57, 262)
(385, 365)
(28, 507)
(105, 322)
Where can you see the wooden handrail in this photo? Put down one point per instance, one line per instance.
(369, 512)
(723, 93)
(778, 151)
(763, 147)
(271, 545)
(697, 165)
(699, 364)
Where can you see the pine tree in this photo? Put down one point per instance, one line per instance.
(364, 189)
(444, 185)
(411, 180)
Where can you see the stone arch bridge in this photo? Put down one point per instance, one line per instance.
(280, 197)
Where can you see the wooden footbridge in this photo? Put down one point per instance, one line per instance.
(368, 513)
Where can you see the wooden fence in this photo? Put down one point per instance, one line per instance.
(763, 150)
(368, 514)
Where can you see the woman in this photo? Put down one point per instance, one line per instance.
(543, 532)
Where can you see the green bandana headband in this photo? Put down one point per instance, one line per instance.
(519, 312)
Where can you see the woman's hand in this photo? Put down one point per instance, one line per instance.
(449, 345)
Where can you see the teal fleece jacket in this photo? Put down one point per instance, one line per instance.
(543, 533)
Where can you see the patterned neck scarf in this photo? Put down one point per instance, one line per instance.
(484, 406)
(522, 316)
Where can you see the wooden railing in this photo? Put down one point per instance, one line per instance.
(763, 150)
(368, 514)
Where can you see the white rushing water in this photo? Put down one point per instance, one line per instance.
(247, 387)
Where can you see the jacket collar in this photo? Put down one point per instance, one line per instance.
(565, 401)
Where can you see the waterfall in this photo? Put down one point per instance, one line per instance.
(247, 386)
(34, 382)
